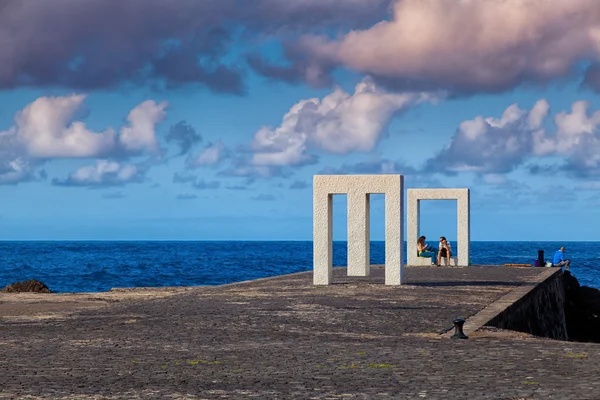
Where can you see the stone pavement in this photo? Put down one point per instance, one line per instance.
(283, 338)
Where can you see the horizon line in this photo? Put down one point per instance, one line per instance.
(262, 240)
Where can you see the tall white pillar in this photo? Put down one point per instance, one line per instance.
(359, 238)
(322, 238)
(394, 232)
(412, 228)
(463, 206)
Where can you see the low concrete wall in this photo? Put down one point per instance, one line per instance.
(540, 311)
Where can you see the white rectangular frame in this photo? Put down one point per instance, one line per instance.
(358, 188)
(463, 206)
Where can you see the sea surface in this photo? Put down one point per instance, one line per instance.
(99, 266)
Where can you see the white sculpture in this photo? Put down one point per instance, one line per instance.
(462, 197)
(358, 188)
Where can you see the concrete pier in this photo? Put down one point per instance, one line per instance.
(284, 337)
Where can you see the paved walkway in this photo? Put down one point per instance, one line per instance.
(284, 338)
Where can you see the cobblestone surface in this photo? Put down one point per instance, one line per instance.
(284, 338)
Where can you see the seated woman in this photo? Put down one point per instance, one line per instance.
(445, 251)
(424, 250)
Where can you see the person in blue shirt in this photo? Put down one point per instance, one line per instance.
(560, 260)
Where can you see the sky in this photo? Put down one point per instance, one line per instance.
(207, 120)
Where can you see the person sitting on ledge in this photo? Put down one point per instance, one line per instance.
(560, 260)
(424, 250)
(445, 250)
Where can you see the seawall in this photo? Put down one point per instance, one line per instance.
(551, 305)
(538, 308)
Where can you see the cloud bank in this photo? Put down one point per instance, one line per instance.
(463, 46)
(103, 44)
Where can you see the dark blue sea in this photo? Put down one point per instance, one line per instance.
(100, 266)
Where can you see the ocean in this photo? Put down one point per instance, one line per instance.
(99, 266)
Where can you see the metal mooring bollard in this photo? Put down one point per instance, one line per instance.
(458, 329)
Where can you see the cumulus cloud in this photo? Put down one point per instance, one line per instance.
(48, 129)
(139, 135)
(463, 46)
(184, 135)
(500, 145)
(152, 42)
(103, 173)
(577, 139)
(16, 171)
(338, 123)
(493, 145)
(212, 154)
(15, 164)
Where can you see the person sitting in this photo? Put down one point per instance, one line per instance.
(560, 260)
(445, 250)
(424, 250)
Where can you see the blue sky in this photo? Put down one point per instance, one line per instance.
(207, 120)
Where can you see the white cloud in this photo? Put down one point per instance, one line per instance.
(103, 173)
(496, 146)
(338, 123)
(15, 171)
(577, 138)
(538, 114)
(47, 129)
(210, 155)
(575, 127)
(140, 135)
(15, 165)
(468, 45)
(493, 145)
